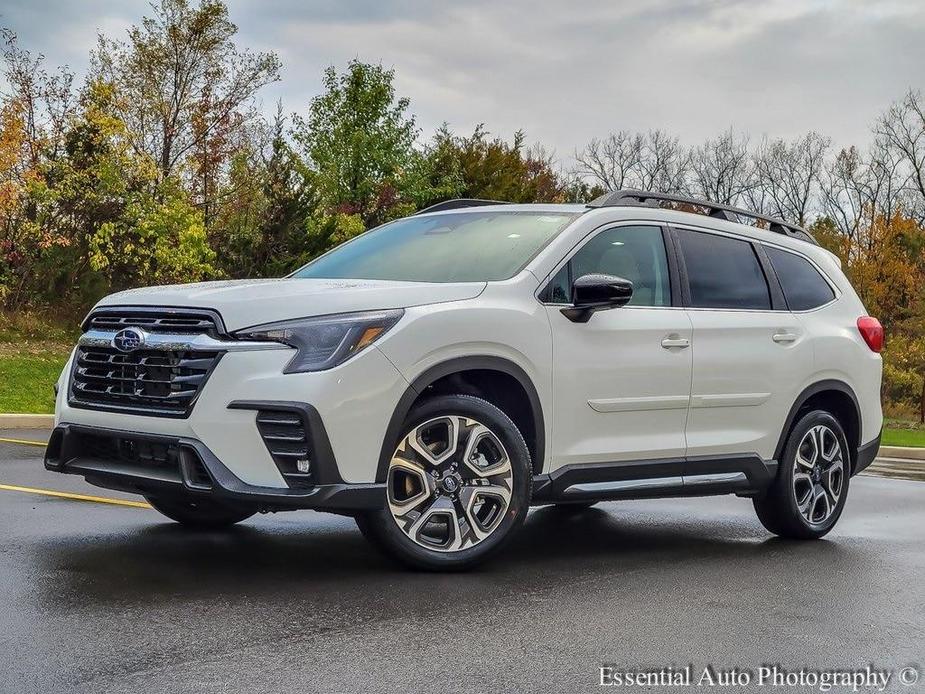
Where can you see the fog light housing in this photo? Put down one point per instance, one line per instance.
(286, 437)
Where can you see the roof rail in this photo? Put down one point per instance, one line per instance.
(714, 209)
(459, 203)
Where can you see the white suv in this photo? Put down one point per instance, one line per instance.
(438, 375)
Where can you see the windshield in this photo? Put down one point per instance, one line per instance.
(461, 247)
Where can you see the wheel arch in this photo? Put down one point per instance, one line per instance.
(472, 375)
(835, 397)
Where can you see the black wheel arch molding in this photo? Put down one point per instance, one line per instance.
(431, 375)
(861, 454)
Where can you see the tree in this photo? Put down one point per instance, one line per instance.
(358, 139)
(35, 107)
(269, 200)
(45, 100)
(612, 162)
(654, 160)
(855, 191)
(116, 224)
(788, 174)
(664, 165)
(480, 166)
(182, 79)
(722, 169)
(904, 371)
(902, 131)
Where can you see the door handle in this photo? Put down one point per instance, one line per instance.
(679, 342)
(784, 337)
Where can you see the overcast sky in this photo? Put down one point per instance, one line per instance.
(567, 71)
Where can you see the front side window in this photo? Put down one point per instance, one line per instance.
(457, 247)
(723, 272)
(804, 288)
(634, 253)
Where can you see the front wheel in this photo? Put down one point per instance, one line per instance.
(199, 513)
(458, 485)
(808, 495)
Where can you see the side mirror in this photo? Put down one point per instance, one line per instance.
(592, 293)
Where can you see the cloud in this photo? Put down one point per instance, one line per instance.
(566, 72)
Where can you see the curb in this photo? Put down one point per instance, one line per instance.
(906, 452)
(27, 421)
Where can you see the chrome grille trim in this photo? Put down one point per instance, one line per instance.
(165, 383)
(178, 342)
(156, 319)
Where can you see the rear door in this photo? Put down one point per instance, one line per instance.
(621, 381)
(750, 354)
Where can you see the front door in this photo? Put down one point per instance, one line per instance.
(621, 381)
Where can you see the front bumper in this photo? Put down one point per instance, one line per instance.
(153, 464)
(355, 402)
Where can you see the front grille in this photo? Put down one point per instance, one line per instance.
(283, 432)
(178, 322)
(155, 381)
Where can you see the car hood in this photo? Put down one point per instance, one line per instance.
(243, 303)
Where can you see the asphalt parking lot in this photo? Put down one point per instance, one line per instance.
(102, 597)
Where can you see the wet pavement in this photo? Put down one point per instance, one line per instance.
(100, 597)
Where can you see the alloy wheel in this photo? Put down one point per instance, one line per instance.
(818, 474)
(449, 483)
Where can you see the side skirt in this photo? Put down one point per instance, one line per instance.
(745, 475)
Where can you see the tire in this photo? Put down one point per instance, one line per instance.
(446, 510)
(192, 512)
(807, 496)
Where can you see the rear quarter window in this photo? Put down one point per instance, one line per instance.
(804, 288)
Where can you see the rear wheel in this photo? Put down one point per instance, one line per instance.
(808, 495)
(458, 485)
(200, 513)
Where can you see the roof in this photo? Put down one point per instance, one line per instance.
(720, 214)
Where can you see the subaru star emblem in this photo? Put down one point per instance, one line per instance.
(128, 339)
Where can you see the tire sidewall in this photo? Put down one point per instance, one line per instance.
(384, 525)
(785, 478)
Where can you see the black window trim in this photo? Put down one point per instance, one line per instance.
(778, 300)
(836, 292)
(775, 292)
(672, 257)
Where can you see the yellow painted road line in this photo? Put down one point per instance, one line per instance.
(24, 441)
(75, 497)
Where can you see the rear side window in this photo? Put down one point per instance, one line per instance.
(723, 272)
(804, 288)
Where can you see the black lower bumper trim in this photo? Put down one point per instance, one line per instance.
(867, 453)
(154, 464)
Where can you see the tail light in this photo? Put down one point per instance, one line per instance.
(872, 332)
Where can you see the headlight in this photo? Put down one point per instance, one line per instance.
(325, 341)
